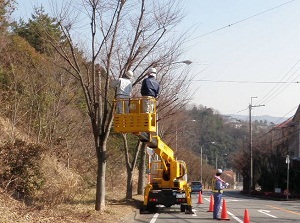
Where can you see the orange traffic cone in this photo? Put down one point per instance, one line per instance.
(211, 204)
(246, 217)
(200, 198)
(224, 215)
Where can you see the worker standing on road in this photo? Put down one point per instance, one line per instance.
(124, 89)
(149, 90)
(217, 188)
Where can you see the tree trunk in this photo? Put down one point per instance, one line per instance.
(100, 187)
(142, 170)
(246, 183)
(130, 166)
(129, 183)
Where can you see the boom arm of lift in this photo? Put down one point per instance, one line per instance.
(163, 151)
(143, 124)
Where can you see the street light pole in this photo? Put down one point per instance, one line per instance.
(201, 165)
(288, 176)
(251, 149)
(201, 159)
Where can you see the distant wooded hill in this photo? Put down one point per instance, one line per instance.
(269, 119)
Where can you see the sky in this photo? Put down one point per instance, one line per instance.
(243, 52)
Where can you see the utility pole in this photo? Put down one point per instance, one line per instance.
(250, 144)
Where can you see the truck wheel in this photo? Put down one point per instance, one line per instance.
(182, 207)
(143, 209)
(189, 209)
(152, 208)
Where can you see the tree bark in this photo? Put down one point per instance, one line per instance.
(100, 187)
(129, 184)
(130, 165)
(142, 170)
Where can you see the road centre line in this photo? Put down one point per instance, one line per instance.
(154, 218)
(282, 209)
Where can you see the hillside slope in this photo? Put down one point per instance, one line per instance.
(80, 210)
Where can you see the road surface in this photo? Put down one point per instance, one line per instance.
(259, 210)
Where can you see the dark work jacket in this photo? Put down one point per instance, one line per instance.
(150, 87)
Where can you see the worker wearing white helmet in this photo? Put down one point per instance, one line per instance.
(152, 72)
(123, 90)
(149, 90)
(217, 188)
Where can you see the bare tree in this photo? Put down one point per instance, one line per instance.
(123, 35)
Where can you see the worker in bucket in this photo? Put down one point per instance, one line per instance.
(124, 89)
(149, 90)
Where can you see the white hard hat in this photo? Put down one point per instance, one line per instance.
(129, 74)
(219, 171)
(152, 71)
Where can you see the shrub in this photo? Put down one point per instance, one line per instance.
(61, 184)
(19, 168)
(28, 171)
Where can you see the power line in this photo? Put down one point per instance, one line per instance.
(273, 93)
(269, 94)
(268, 97)
(290, 133)
(242, 20)
(247, 82)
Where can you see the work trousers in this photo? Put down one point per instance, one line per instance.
(148, 104)
(123, 105)
(217, 204)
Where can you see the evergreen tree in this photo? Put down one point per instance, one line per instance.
(6, 8)
(39, 30)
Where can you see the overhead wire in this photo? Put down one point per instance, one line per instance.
(242, 20)
(247, 82)
(269, 94)
(268, 97)
(263, 135)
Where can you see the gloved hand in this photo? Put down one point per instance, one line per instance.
(226, 185)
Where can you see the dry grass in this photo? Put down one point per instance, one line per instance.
(81, 210)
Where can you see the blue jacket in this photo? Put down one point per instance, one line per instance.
(150, 87)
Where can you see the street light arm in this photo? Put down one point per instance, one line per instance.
(187, 62)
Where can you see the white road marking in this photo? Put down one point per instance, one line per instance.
(227, 200)
(266, 212)
(229, 213)
(154, 218)
(235, 217)
(194, 215)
